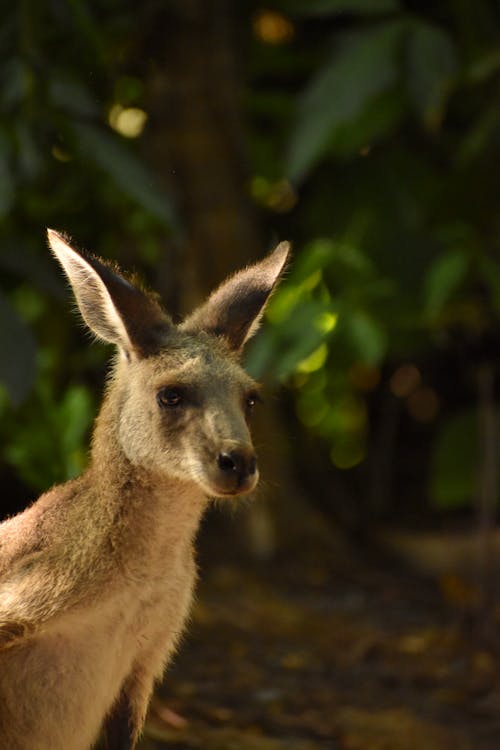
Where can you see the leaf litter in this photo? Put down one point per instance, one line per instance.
(324, 652)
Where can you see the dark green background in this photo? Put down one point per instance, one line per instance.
(365, 131)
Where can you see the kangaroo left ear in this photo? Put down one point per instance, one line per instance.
(234, 310)
(114, 309)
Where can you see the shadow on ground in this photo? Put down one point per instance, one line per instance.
(328, 649)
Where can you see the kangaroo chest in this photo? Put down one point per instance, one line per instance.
(74, 669)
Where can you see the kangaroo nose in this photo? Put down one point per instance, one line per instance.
(237, 464)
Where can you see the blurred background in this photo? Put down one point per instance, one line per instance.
(184, 138)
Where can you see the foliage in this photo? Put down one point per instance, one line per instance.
(372, 130)
(61, 164)
(405, 264)
(53, 448)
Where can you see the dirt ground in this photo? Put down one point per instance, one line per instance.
(331, 649)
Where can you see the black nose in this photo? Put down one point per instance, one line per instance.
(237, 464)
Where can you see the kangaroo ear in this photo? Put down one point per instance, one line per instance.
(114, 309)
(235, 309)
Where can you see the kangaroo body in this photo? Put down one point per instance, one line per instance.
(97, 576)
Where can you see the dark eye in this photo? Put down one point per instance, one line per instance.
(252, 399)
(169, 398)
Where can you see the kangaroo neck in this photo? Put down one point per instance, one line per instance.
(149, 502)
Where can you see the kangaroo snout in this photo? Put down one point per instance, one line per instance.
(237, 469)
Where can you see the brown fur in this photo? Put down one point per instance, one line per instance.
(96, 577)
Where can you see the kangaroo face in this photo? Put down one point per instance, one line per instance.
(183, 399)
(185, 412)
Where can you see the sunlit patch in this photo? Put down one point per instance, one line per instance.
(60, 154)
(326, 322)
(128, 121)
(314, 361)
(272, 27)
(286, 301)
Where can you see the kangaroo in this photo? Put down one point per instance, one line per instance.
(97, 576)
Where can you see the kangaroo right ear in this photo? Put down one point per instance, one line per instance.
(114, 309)
(235, 309)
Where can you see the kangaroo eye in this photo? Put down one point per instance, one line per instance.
(169, 398)
(251, 400)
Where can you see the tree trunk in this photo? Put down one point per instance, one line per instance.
(197, 141)
(197, 144)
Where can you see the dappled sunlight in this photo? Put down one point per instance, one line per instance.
(128, 121)
(272, 27)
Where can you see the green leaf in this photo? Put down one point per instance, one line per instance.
(363, 65)
(18, 350)
(279, 349)
(317, 255)
(433, 69)
(380, 118)
(367, 337)
(445, 276)
(75, 414)
(455, 462)
(128, 172)
(53, 447)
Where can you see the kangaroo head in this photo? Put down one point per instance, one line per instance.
(184, 400)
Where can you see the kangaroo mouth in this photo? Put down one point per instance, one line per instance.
(231, 493)
(242, 487)
(231, 474)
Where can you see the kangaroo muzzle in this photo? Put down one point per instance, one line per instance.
(237, 470)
